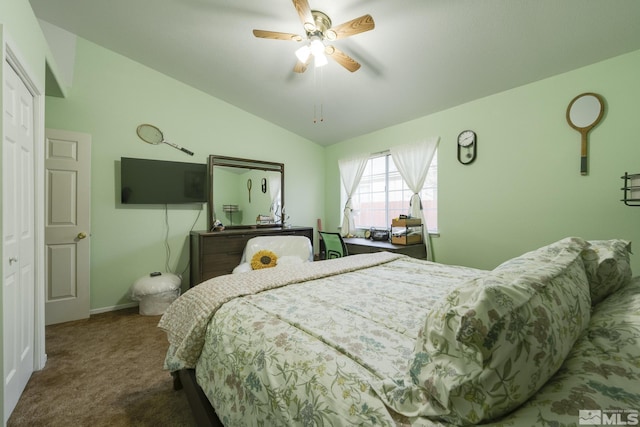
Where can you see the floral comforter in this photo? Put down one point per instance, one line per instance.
(599, 382)
(306, 348)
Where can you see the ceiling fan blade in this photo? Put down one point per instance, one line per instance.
(300, 67)
(304, 11)
(276, 35)
(353, 27)
(342, 58)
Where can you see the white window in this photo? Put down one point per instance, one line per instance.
(383, 195)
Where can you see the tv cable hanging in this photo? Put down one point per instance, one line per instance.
(152, 135)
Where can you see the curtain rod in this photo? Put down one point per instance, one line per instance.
(387, 151)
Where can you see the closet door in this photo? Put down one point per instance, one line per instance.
(18, 237)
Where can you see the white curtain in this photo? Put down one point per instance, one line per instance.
(274, 192)
(413, 161)
(351, 171)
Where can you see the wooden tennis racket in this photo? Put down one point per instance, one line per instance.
(152, 135)
(583, 114)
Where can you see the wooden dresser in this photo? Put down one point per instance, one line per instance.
(219, 252)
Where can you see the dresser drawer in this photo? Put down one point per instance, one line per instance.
(213, 265)
(224, 245)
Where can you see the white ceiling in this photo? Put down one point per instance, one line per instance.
(422, 57)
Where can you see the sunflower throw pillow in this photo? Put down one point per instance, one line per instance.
(263, 259)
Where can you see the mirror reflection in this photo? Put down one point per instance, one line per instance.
(585, 111)
(245, 193)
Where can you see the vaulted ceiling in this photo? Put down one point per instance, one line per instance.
(422, 57)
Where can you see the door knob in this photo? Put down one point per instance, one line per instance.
(81, 235)
(12, 260)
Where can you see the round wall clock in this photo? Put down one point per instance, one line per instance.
(467, 147)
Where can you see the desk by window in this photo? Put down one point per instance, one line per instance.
(357, 245)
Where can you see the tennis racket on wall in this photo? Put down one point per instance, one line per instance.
(152, 135)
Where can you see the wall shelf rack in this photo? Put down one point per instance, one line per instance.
(631, 189)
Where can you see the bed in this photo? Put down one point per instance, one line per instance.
(548, 338)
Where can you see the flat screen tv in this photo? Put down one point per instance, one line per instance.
(145, 181)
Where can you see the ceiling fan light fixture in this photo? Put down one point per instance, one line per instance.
(303, 53)
(320, 60)
(316, 46)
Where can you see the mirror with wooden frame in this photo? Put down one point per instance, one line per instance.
(245, 193)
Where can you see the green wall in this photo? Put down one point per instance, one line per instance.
(21, 29)
(111, 95)
(525, 189)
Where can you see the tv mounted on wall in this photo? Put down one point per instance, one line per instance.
(145, 181)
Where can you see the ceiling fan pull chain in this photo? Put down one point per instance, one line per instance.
(316, 96)
(321, 95)
(315, 87)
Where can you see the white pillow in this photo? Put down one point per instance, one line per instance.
(289, 260)
(242, 268)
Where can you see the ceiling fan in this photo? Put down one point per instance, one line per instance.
(317, 26)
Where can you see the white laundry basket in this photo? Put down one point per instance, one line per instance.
(155, 293)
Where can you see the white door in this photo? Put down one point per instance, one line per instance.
(67, 225)
(18, 240)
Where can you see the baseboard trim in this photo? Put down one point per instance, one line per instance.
(112, 308)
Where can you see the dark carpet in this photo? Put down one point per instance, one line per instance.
(104, 371)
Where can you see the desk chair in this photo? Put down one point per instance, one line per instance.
(332, 245)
